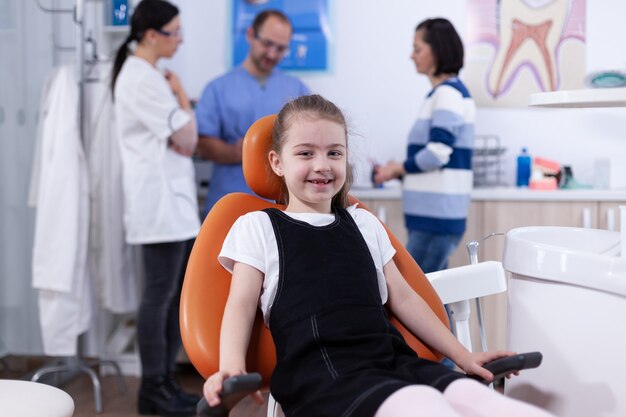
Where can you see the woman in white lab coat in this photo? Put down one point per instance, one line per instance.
(157, 136)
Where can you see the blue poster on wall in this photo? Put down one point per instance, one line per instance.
(309, 44)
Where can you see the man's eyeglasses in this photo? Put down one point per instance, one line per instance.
(268, 44)
(178, 33)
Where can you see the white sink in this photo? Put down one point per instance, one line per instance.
(586, 257)
(567, 299)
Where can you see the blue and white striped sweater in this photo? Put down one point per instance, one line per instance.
(436, 192)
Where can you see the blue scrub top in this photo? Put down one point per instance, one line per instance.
(229, 106)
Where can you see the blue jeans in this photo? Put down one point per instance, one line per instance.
(431, 252)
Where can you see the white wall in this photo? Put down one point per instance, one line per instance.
(26, 58)
(373, 80)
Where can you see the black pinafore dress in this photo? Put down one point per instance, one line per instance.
(337, 353)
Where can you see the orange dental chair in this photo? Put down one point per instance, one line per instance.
(207, 283)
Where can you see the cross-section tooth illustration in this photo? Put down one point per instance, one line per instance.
(529, 32)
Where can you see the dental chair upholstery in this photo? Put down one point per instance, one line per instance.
(206, 284)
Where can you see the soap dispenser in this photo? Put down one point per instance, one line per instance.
(523, 168)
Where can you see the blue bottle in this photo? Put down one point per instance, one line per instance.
(523, 168)
(120, 12)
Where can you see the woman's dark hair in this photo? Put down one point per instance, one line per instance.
(266, 14)
(314, 106)
(445, 44)
(148, 14)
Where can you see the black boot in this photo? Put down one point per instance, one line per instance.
(156, 397)
(175, 387)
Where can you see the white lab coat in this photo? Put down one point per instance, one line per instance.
(160, 198)
(59, 266)
(114, 266)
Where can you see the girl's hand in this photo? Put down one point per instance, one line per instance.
(472, 363)
(214, 385)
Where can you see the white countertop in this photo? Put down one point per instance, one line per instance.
(384, 193)
(593, 97)
(503, 194)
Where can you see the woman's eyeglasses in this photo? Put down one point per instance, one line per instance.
(268, 44)
(178, 33)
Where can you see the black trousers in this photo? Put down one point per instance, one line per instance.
(158, 329)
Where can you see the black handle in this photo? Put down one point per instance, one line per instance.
(204, 410)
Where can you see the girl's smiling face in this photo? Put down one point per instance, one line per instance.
(313, 162)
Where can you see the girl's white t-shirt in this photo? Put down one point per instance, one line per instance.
(251, 240)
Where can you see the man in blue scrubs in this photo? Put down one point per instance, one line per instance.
(232, 102)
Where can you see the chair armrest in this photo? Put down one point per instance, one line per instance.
(504, 366)
(233, 390)
(468, 282)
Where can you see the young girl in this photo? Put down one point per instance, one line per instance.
(321, 272)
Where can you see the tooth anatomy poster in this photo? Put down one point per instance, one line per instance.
(518, 47)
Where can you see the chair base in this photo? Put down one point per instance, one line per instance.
(78, 365)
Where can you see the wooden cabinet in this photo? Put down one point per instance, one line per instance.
(608, 215)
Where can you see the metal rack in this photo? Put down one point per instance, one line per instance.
(77, 13)
(487, 161)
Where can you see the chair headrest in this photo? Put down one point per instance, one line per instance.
(256, 166)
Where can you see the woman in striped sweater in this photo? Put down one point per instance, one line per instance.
(437, 171)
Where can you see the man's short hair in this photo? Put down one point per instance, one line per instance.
(266, 14)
